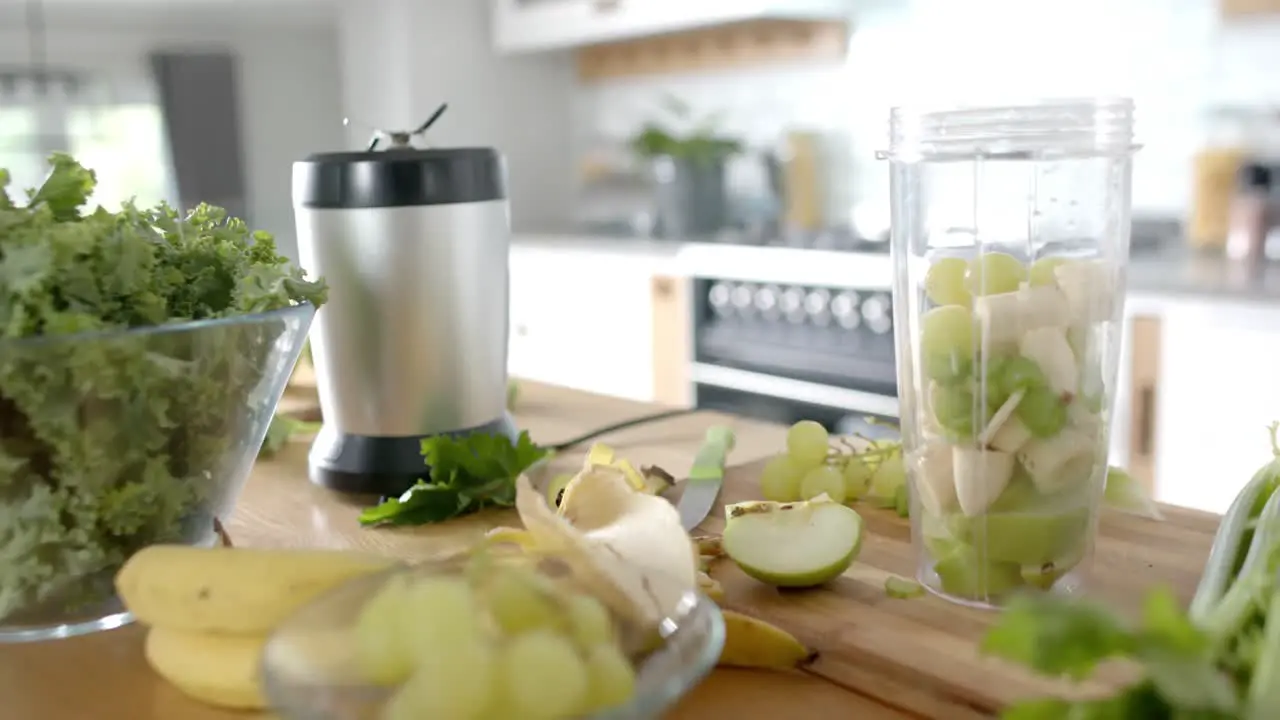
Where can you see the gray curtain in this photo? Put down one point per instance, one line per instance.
(199, 96)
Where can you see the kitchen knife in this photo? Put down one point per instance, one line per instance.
(705, 478)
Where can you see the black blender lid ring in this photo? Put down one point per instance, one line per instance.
(399, 177)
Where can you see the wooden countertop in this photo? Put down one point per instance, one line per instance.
(864, 673)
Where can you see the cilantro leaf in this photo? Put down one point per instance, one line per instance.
(1055, 636)
(1178, 660)
(1061, 637)
(1139, 702)
(468, 474)
(421, 504)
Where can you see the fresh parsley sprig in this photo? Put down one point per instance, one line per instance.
(468, 474)
(1061, 637)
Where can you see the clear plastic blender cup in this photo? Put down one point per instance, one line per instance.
(1010, 236)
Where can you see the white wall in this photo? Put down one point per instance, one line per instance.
(402, 58)
(290, 83)
(1172, 56)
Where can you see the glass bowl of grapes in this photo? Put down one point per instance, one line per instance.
(487, 635)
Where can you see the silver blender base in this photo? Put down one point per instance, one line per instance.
(386, 466)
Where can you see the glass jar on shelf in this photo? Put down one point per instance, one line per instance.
(1010, 233)
(1233, 137)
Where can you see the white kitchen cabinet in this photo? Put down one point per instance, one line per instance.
(1198, 412)
(533, 25)
(582, 320)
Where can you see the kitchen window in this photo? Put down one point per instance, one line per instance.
(125, 146)
(121, 138)
(20, 149)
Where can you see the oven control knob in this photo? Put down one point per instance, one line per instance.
(876, 315)
(718, 299)
(844, 307)
(791, 303)
(766, 301)
(817, 306)
(742, 298)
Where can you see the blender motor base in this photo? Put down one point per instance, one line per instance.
(387, 466)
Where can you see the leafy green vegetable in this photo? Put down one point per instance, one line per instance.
(281, 430)
(1218, 659)
(468, 474)
(1060, 637)
(113, 440)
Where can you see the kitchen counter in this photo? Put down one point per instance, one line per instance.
(1185, 274)
(104, 677)
(1169, 274)
(880, 658)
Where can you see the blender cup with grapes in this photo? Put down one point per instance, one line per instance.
(1010, 234)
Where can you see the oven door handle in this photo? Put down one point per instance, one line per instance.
(832, 396)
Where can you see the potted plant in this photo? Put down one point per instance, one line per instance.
(688, 170)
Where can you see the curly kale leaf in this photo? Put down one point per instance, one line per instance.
(113, 440)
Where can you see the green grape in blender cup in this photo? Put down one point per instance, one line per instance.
(994, 273)
(947, 341)
(944, 282)
(990, 380)
(1042, 271)
(1042, 412)
(1018, 373)
(958, 412)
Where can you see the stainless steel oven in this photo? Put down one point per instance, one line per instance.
(793, 335)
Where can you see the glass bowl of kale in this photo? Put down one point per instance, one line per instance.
(142, 356)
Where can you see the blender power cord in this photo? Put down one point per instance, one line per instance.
(624, 425)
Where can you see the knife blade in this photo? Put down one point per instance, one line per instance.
(705, 477)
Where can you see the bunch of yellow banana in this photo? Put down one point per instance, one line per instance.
(209, 610)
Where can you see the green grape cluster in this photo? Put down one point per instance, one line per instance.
(814, 465)
(500, 642)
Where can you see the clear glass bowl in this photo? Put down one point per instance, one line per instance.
(306, 654)
(110, 442)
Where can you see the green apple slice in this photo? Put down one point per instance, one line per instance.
(1044, 577)
(981, 476)
(794, 545)
(1026, 528)
(964, 573)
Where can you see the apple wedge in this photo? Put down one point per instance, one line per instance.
(980, 476)
(794, 545)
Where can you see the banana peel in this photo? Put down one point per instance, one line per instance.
(650, 480)
(601, 454)
(630, 547)
(710, 587)
(709, 546)
(753, 643)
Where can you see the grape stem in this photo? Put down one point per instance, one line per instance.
(873, 453)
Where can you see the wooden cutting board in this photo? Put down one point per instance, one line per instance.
(920, 655)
